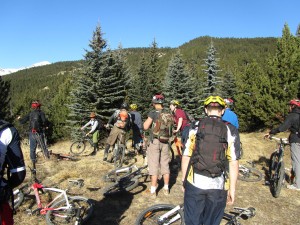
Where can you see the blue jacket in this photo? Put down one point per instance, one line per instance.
(231, 117)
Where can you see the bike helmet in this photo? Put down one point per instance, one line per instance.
(175, 103)
(228, 101)
(133, 106)
(124, 105)
(295, 102)
(35, 105)
(158, 99)
(92, 115)
(214, 101)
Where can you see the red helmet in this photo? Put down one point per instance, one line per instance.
(35, 105)
(158, 99)
(228, 101)
(295, 102)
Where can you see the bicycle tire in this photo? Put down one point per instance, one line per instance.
(68, 216)
(18, 198)
(43, 146)
(251, 175)
(119, 155)
(77, 147)
(119, 187)
(151, 215)
(112, 175)
(276, 174)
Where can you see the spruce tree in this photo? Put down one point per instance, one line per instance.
(4, 100)
(179, 85)
(228, 86)
(284, 73)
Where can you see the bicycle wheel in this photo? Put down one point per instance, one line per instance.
(18, 198)
(41, 143)
(113, 175)
(153, 215)
(77, 147)
(249, 174)
(119, 156)
(121, 186)
(276, 174)
(68, 216)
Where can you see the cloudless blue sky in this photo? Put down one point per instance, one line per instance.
(59, 30)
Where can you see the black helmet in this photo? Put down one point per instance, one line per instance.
(124, 105)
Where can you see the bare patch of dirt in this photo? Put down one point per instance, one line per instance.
(123, 209)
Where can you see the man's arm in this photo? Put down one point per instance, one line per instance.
(147, 123)
(180, 120)
(233, 175)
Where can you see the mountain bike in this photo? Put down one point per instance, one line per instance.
(249, 174)
(164, 214)
(79, 146)
(125, 179)
(276, 167)
(63, 209)
(42, 143)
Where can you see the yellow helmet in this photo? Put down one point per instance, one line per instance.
(214, 101)
(133, 106)
(175, 102)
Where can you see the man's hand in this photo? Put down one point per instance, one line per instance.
(267, 136)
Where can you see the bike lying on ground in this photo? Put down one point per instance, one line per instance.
(63, 209)
(164, 214)
(249, 174)
(79, 146)
(125, 179)
(42, 143)
(276, 167)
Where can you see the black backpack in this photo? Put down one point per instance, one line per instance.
(36, 120)
(209, 156)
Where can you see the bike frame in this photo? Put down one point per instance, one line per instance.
(43, 209)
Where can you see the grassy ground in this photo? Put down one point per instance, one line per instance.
(123, 209)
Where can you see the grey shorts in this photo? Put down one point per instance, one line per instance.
(158, 157)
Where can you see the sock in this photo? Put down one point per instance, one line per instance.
(166, 186)
(152, 189)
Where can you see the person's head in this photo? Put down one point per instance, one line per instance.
(158, 100)
(174, 104)
(93, 115)
(214, 106)
(35, 104)
(133, 107)
(294, 103)
(124, 105)
(229, 102)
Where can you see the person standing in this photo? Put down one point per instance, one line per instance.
(12, 164)
(292, 123)
(209, 166)
(121, 121)
(158, 151)
(94, 131)
(181, 120)
(229, 115)
(37, 124)
(137, 127)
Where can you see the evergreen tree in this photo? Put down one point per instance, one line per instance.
(228, 86)
(212, 69)
(298, 31)
(155, 76)
(4, 100)
(179, 85)
(284, 73)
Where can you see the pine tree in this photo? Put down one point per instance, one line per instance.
(284, 73)
(298, 31)
(4, 100)
(228, 86)
(212, 69)
(179, 85)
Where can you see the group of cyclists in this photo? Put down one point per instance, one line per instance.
(128, 118)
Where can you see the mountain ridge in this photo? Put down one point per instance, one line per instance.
(7, 71)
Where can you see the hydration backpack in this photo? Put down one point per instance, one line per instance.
(36, 120)
(162, 127)
(209, 156)
(3, 125)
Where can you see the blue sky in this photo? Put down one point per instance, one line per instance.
(59, 30)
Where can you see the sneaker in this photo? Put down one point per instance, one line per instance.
(293, 187)
(149, 194)
(166, 191)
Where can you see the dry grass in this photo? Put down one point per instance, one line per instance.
(123, 209)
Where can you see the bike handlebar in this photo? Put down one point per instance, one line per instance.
(281, 140)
